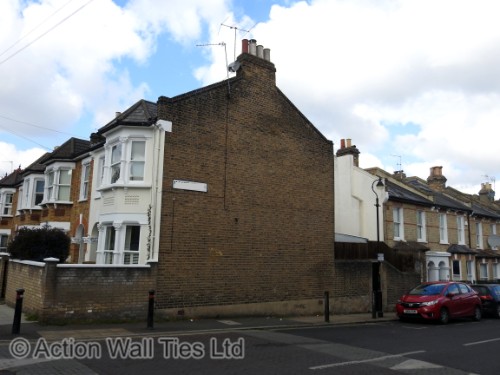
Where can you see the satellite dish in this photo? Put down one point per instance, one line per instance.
(234, 66)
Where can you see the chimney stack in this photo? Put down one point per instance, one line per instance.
(486, 194)
(347, 149)
(436, 180)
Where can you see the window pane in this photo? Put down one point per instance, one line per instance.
(65, 177)
(116, 154)
(110, 238)
(115, 173)
(39, 185)
(138, 150)
(63, 193)
(137, 171)
(132, 236)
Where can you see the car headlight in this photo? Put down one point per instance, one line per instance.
(430, 303)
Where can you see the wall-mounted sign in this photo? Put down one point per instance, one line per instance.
(190, 185)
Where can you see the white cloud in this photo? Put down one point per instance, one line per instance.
(355, 67)
(77, 68)
(11, 158)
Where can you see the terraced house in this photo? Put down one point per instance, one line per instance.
(220, 199)
(456, 232)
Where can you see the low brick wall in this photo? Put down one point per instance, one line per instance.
(353, 286)
(58, 293)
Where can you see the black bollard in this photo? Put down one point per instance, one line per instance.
(327, 307)
(151, 308)
(16, 325)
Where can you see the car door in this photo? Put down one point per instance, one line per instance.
(467, 300)
(454, 300)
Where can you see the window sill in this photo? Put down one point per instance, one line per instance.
(124, 186)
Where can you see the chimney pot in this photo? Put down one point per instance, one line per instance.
(267, 54)
(252, 47)
(244, 46)
(348, 141)
(342, 143)
(260, 51)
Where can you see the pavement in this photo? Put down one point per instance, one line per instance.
(34, 330)
(31, 333)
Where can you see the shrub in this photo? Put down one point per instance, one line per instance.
(39, 243)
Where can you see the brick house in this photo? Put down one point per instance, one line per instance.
(228, 188)
(51, 191)
(248, 198)
(125, 214)
(449, 227)
(8, 202)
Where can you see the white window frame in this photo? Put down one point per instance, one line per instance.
(24, 195)
(443, 228)
(493, 231)
(85, 181)
(39, 193)
(470, 270)
(28, 193)
(398, 222)
(121, 243)
(6, 203)
(137, 160)
(460, 230)
(116, 163)
(126, 162)
(54, 186)
(101, 170)
(131, 248)
(421, 226)
(4, 238)
(479, 235)
(483, 271)
(109, 244)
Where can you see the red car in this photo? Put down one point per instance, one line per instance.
(441, 301)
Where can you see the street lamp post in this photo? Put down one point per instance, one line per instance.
(380, 184)
(377, 292)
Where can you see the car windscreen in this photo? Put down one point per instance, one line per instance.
(427, 290)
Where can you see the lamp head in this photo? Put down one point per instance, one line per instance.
(380, 183)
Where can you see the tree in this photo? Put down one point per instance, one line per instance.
(39, 243)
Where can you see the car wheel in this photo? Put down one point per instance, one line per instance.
(498, 311)
(444, 316)
(477, 314)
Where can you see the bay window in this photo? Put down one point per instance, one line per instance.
(120, 244)
(6, 203)
(125, 162)
(58, 184)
